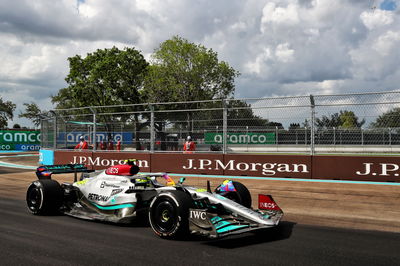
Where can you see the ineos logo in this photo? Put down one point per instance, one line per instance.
(198, 215)
(113, 170)
(267, 205)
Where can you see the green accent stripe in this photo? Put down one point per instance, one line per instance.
(115, 207)
(231, 228)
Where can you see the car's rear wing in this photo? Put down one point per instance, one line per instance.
(45, 171)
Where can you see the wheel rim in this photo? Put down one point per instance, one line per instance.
(164, 217)
(34, 199)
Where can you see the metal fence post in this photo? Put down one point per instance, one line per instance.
(362, 136)
(94, 139)
(305, 135)
(334, 135)
(152, 135)
(224, 126)
(43, 135)
(54, 129)
(312, 137)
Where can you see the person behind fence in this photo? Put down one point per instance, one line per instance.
(110, 144)
(189, 146)
(103, 145)
(119, 144)
(82, 145)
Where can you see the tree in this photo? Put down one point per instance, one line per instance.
(105, 77)
(182, 71)
(294, 126)
(7, 109)
(343, 119)
(33, 113)
(390, 119)
(350, 120)
(328, 122)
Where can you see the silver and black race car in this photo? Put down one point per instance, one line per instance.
(119, 194)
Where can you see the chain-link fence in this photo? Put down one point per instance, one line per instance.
(355, 123)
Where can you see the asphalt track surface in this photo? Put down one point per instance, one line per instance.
(26, 239)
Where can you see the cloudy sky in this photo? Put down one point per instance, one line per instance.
(281, 47)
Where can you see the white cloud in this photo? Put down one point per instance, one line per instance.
(273, 13)
(377, 18)
(283, 53)
(385, 44)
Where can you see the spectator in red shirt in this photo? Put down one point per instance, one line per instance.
(119, 144)
(189, 146)
(110, 145)
(82, 145)
(103, 145)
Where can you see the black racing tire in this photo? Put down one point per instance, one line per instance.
(44, 197)
(169, 214)
(241, 195)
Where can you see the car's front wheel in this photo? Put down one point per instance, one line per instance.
(241, 194)
(169, 214)
(44, 196)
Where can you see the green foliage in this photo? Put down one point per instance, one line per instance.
(184, 71)
(350, 120)
(105, 77)
(7, 109)
(33, 113)
(343, 119)
(389, 119)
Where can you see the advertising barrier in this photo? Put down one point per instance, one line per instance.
(366, 168)
(357, 168)
(240, 138)
(19, 140)
(72, 138)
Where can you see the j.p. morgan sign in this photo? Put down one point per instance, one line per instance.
(268, 169)
(360, 168)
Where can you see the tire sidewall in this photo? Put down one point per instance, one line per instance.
(181, 210)
(35, 185)
(51, 196)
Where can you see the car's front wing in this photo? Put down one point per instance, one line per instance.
(214, 225)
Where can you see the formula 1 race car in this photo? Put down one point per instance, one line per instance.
(119, 194)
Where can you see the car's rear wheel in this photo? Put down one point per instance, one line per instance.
(169, 214)
(44, 196)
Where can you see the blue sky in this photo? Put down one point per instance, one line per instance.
(280, 47)
(388, 5)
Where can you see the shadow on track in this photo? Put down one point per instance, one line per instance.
(283, 231)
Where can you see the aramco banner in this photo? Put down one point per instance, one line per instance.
(240, 138)
(19, 140)
(72, 138)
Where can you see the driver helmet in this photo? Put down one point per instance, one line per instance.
(189, 138)
(81, 138)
